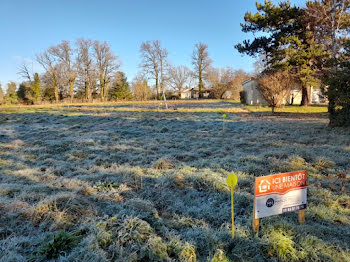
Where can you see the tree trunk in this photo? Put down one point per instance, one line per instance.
(71, 90)
(305, 99)
(200, 84)
(102, 91)
(56, 94)
(88, 92)
(157, 88)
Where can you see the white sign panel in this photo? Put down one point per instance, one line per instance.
(280, 193)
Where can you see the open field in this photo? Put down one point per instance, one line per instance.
(129, 182)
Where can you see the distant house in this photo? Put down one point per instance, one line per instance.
(190, 93)
(252, 95)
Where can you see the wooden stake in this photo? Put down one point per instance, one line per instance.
(301, 216)
(255, 220)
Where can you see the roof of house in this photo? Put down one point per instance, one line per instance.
(195, 89)
(247, 81)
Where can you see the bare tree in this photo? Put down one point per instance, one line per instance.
(24, 71)
(178, 77)
(65, 56)
(106, 63)
(201, 63)
(162, 54)
(235, 84)
(330, 20)
(140, 88)
(86, 67)
(275, 87)
(49, 62)
(154, 63)
(219, 79)
(226, 79)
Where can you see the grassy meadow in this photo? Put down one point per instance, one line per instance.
(131, 182)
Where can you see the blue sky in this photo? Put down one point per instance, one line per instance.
(30, 26)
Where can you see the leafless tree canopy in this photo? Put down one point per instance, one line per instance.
(154, 63)
(24, 72)
(275, 87)
(86, 67)
(140, 88)
(106, 63)
(329, 18)
(65, 55)
(178, 77)
(50, 63)
(201, 63)
(226, 79)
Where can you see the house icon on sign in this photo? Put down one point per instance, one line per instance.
(264, 186)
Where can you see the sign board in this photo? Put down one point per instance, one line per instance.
(280, 193)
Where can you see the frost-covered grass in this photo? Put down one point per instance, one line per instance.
(290, 109)
(105, 183)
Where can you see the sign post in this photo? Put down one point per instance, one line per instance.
(232, 182)
(255, 220)
(223, 122)
(280, 193)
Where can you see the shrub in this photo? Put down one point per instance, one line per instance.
(297, 163)
(157, 250)
(163, 163)
(188, 253)
(282, 245)
(323, 164)
(60, 242)
(339, 91)
(219, 256)
(105, 186)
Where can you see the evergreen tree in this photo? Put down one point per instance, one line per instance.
(2, 100)
(120, 89)
(11, 94)
(287, 43)
(339, 90)
(36, 88)
(25, 93)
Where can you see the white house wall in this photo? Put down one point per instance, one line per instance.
(252, 94)
(254, 97)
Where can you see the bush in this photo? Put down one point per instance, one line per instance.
(60, 242)
(339, 91)
(163, 163)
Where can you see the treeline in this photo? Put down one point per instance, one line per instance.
(90, 71)
(304, 45)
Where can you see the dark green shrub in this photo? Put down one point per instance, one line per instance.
(60, 242)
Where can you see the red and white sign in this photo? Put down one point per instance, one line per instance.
(280, 193)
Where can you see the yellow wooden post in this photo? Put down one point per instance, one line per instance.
(232, 182)
(223, 122)
(233, 213)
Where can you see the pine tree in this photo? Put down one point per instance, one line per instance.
(339, 90)
(120, 89)
(36, 87)
(287, 43)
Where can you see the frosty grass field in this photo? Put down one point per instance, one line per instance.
(128, 182)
